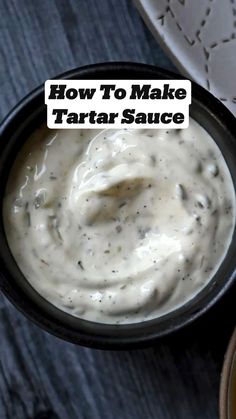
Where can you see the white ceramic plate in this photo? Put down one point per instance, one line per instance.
(200, 37)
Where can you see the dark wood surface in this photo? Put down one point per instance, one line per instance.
(41, 376)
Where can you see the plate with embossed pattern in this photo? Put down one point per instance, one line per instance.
(200, 37)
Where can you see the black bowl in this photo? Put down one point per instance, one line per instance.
(17, 127)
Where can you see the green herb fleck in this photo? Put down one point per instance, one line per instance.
(81, 265)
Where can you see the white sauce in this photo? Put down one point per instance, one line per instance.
(119, 226)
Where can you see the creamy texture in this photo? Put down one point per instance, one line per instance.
(119, 226)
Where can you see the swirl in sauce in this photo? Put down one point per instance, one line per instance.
(119, 226)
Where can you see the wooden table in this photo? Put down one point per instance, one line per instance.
(40, 375)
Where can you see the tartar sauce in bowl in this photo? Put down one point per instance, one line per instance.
(119, 226)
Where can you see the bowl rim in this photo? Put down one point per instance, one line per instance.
(107, 340)
(229, 360)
